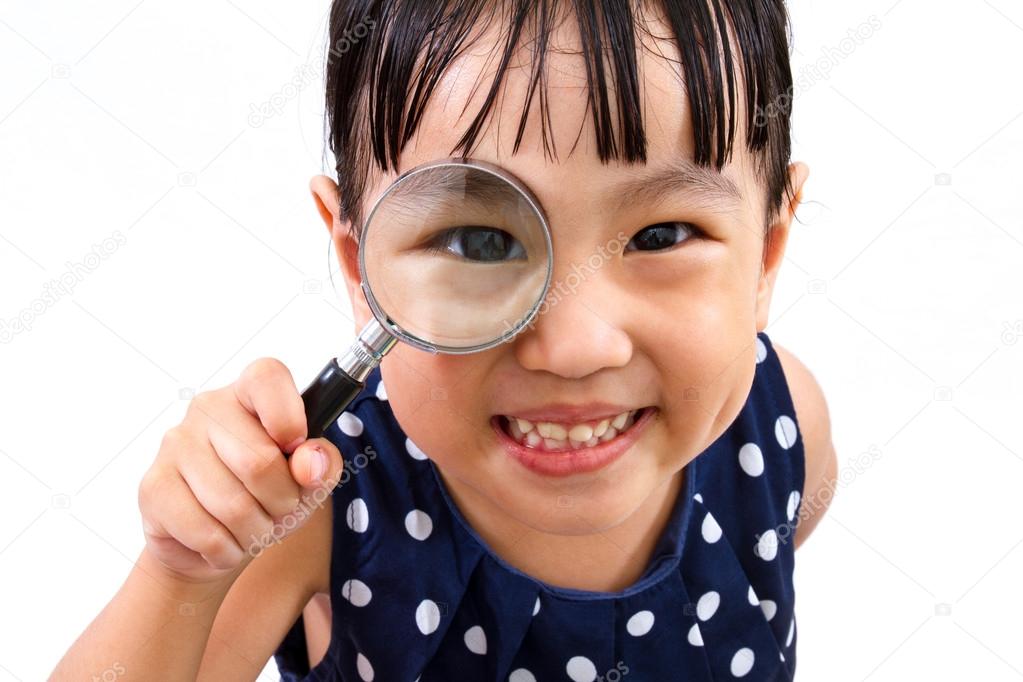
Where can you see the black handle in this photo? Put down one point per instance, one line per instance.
(327, 397)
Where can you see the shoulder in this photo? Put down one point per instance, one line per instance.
(815, 425)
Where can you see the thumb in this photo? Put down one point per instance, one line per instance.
(316, 463)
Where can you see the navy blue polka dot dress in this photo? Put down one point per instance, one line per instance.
(416, 594)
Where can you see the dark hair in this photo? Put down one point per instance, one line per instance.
(386, 57)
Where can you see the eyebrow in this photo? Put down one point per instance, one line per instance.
(447, 183)
(654, 185)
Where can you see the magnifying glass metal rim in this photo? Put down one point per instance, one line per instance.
(392, 327)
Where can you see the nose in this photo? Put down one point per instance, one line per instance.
(577, 331)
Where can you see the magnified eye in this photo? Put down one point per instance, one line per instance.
(481, 244)
(662, 236)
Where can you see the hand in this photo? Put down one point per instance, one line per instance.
(221, 489)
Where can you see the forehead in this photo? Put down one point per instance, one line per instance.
(563, 97)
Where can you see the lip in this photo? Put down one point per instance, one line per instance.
(570, 462)
(566, 413)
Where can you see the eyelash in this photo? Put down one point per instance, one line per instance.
(444, 242)
(693, 230)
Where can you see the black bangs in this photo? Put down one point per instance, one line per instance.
(386, 57)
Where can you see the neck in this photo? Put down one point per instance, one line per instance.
(603, 561)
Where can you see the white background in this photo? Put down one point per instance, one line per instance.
(901, 292)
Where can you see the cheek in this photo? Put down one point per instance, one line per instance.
(706, 370)
(429, 396)
(691, 322)
(697, 285)
(700, 335)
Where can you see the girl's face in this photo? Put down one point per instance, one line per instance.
(668, 320)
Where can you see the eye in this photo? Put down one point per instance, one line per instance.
(661, 236)
(480, 244)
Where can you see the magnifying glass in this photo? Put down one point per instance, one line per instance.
(455, 257)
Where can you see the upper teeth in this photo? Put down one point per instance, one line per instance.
(555, 435)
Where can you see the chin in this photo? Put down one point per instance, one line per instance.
(585, 509)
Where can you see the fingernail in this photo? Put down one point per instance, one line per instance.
(319, 463)
(294, 445)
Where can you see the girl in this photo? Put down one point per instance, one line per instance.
(617, 492)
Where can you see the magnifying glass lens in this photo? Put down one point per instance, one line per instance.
(455, 256)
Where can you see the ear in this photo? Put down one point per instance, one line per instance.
(776, 240)
(324, 191)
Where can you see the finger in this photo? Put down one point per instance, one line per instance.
(267, 390)
(225, 497)
(317, 462)
(177, 557)
(255, 461)
(173, 512)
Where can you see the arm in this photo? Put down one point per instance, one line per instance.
(154, 628)
(815, 424)
(160, 628)
(266, 599)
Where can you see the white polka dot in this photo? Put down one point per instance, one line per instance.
(767, 545)
(793, 504)
(751, 459)
(381, 391)
(476, 640)
(761, 350)
(769, 607)
(365, 669)
(698, 497)
(413, 450)
(356, 591)
(752, 596)
(357, 515)
(536, 606)
(521, 675)
(781, 656)
(350, 424)
(695, 637)
(710, 529)
(418, 524)
(742, 662)
(707, 605)
(640, 623)
(785, 431)
(427, 616)
(792, 631)
(581, 669)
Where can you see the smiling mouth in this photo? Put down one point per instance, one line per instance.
(558, 437)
